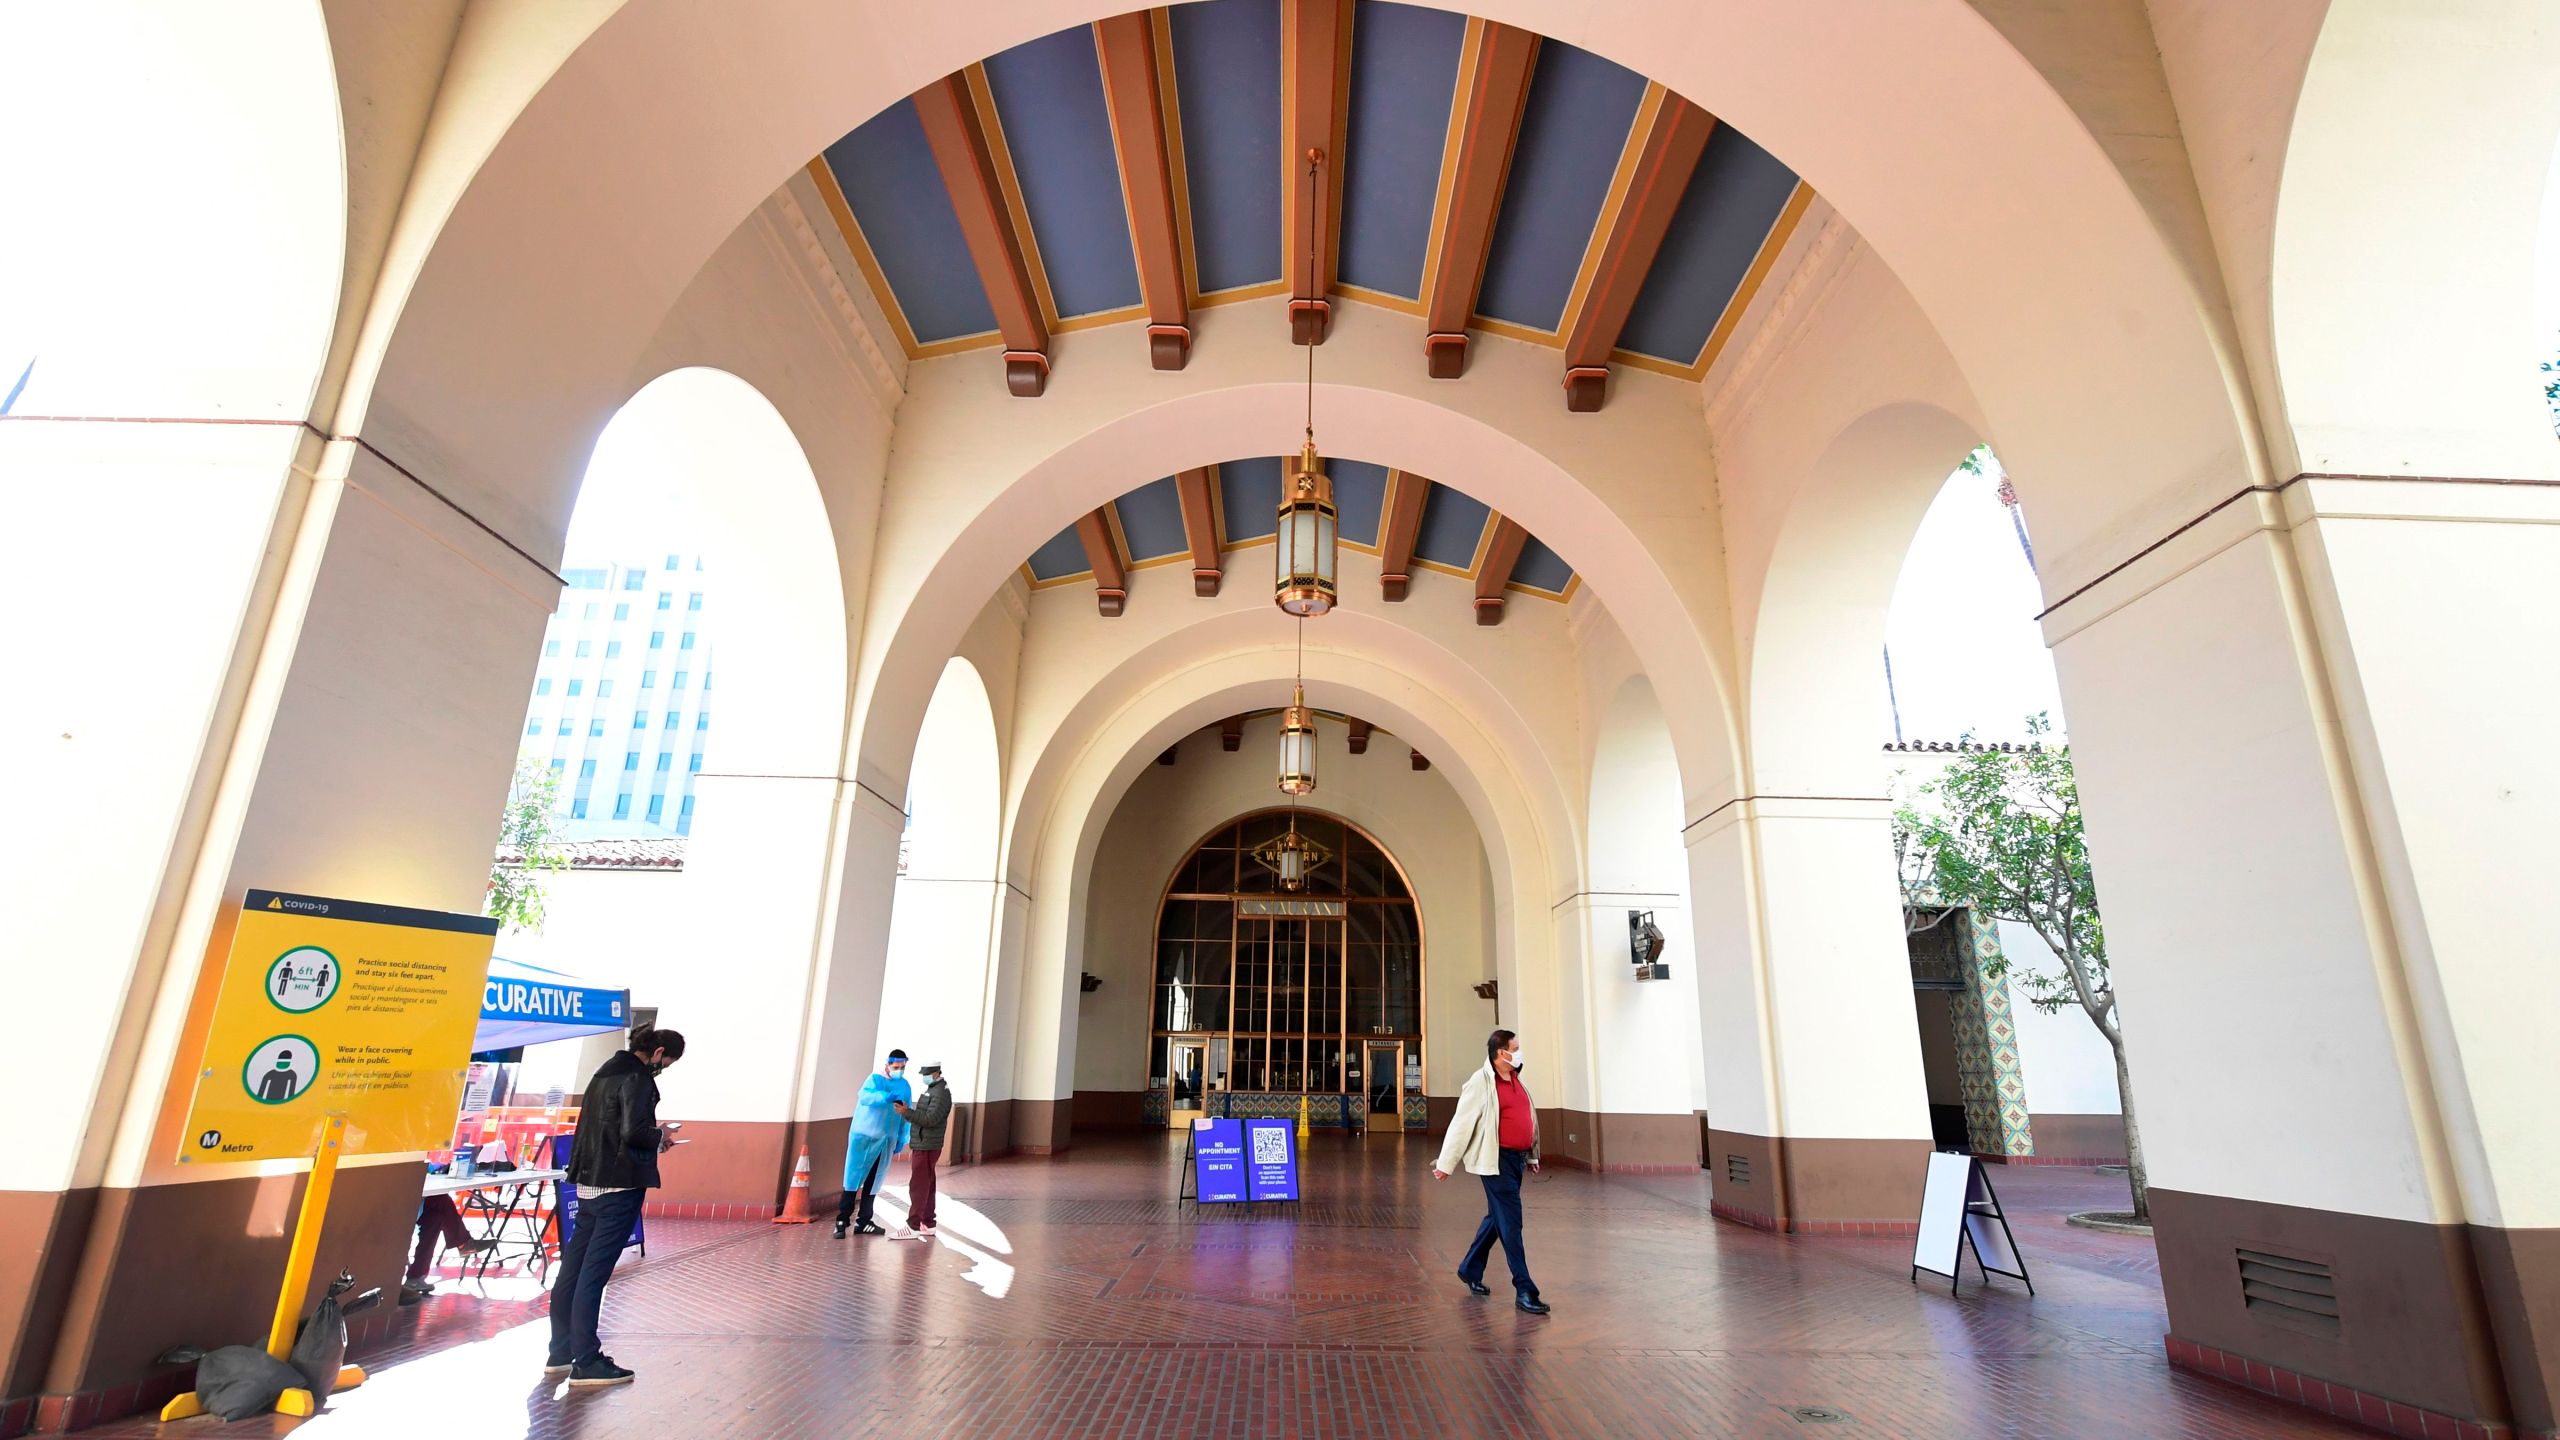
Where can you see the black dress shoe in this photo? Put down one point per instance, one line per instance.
(1477, 1286)
(1533, 1304)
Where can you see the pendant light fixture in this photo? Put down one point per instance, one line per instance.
(1304, 576)
(1298, 732)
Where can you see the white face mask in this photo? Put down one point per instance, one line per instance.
(1517, 1060)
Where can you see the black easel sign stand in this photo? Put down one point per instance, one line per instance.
(1960, 1212)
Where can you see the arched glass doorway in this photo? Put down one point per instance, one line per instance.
(1264, 996)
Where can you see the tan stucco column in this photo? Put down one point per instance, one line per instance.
(1817, 1109)
(2312, 737)
(277, 662)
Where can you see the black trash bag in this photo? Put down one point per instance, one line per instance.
(238, 1381)
(321, 1348)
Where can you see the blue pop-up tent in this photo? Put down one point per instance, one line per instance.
(528, 1005)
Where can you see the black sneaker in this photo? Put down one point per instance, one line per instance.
(868, 1228)
(599, 1371)
(554, 1365)
(841, 1227)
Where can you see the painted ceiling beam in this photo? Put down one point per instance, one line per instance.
(959, 142)
(1492, 96)
(1315, 69)
(1396, 534)
(1200, 528)
(1360, 737)
(1420, 762)
(1501, 556)
(1658, 172)
(1110, 577)
(1132, 92)
(1231, 734)
(1171, 754)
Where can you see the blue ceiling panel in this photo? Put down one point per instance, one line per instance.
(1048, 94)
(1249, 497)
(1404, 77)
(1359, 497)
(1151, 520)
(1732, 200)
(1226, 75)
(1452, 525)
(1061, 557)
(1541, 568)
(1580, 109)
(887, 173)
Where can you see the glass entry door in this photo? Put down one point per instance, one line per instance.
(1189, 1100)
(1385, 1079)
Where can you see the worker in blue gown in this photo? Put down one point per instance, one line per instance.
(879, 1134)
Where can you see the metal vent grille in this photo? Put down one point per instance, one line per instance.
(1737, 1169)
(2298, 1293)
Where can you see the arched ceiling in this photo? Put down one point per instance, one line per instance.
(1150, 164)
(1412, 524)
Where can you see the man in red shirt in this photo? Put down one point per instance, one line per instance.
(1495, 1136)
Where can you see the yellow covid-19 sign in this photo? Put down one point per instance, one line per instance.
(337, 1007)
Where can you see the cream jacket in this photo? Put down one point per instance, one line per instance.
(1475, 1132)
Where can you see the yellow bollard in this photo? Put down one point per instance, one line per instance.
(297, 1282)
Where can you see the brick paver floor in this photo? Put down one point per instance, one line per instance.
(1071, 1297)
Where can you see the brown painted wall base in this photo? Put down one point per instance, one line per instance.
(2354, 1406)
(2460, 1320)
(1817, 1186)
(980, 1130)
(1618, 1144)
(42, 1233)
(1043, 1127)
(1112, 1110)
(2076, 1139)
(168, 1265)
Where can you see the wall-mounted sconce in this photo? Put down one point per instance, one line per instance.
(1092, 982)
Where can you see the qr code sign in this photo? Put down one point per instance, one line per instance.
(1270, 1147)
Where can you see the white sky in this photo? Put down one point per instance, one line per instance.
(1967, 653)
(642, 489)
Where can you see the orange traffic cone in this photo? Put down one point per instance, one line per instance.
(795, 1206)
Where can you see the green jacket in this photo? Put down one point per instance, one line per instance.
(929, 1115)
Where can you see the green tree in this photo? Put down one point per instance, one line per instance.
(530, 832)
(2000, 832)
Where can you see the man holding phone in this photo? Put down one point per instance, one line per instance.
(613, 1160)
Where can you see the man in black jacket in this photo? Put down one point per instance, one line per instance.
(614, 1163)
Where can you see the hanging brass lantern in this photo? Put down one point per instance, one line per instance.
(1292, 856)
(1303, 562)
(1297, 746)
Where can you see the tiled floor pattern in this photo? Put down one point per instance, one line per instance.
(1070, 1297)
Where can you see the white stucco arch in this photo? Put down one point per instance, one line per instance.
(939, 976)
(2405, 239)
(1368, 667)
(724, 452)
(1627, 506)
(1819, 632)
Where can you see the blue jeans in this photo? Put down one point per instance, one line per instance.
(596, 1241)
(1501, 1222)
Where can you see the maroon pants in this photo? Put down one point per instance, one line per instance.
(920, 1183)
(437, 1220)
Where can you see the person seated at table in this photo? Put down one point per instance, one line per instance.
(439, 1220)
